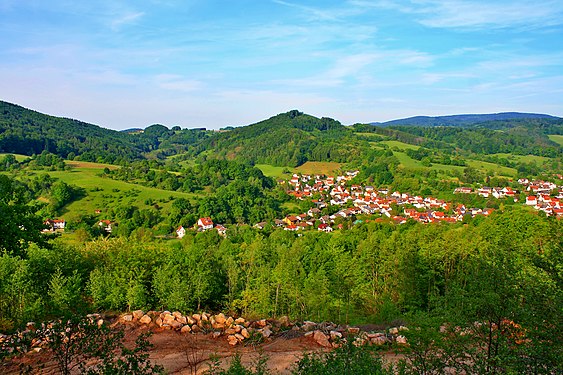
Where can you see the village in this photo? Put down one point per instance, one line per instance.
(366, 201)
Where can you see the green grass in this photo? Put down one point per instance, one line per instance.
(275, 172)
(400, 145)
(103, 193)
(556, 138)
(524, 158)
(19, 157)
(498, 169)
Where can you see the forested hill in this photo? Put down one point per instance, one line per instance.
(287, 139)
(465, 120)
(23, 131)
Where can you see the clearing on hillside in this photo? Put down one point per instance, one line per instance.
(319, 167)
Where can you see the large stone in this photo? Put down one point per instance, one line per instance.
(230, 331)
(145, 319)
(177, 314)
(401, 340)
(186, 329)
(353, 330)
(181, 319)
(239, 337)
(196, 317)
(244, 332)
(232, 340)
(266, 332)
(195, 328)
(321, 339)
(138, 314)
(394, 331)
(309, 326)
(220, 318)
(127, 317)
(379, 340)
(230, 321)
(216, 334)
(158, 321)
(284, 321)
(239, 320)
(238, 328)
(175, 324)
(190, 320)
(335, 335)
(168, 319)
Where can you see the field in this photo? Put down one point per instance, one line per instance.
(317, 167)
(556, 138)
(488, 167)
(523, 158)
(103, 193)
(400, 145)
(19, 157)
(271, 171)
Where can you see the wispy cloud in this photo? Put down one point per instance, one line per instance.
(125, 19)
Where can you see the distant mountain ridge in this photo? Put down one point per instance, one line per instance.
(462, 120)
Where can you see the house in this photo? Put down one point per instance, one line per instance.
(324, 228)
(205, 223)
(261, 225)
(54, 224)
(221, 229)
(106, 225)
(531, 200)
(180, 232)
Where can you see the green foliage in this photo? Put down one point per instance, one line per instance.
(348, 359)
(20, 225)
(237, 368)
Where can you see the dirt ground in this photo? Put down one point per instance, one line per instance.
(183, 353)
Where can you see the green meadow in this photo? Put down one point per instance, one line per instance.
(556, 138)
(103, 192)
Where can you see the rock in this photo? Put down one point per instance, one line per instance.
(138, 314)
(205, 316)
(266, 332)
(182, 319)
(262, 323)
(196, 317)
(284, 321)
(232, 340)
(127, 318)
(309, 326)
(401, 340)
(217, 325)
(238, 328)
(310, 333)
(177, 314)
(30, 326)
(379, 340)
(216, 334)
(168, 319)
(244, 332)
(195, 328)
(360, 341)
(100, 322)
(190, 320)
(394, 331)
(321, 339)
(403, 328)
(175, 324)
(335, 335)
(158, 321)
(353, 330)
(239, 320)
(220, 318)
(230, 331)
(185, 329)
(145, 319)
(229, 321)
(239, 337)
(375, 335)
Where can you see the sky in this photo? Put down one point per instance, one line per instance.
(210, 63)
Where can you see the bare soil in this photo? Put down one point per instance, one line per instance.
(186, 353)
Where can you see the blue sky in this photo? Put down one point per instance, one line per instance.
(193, 63)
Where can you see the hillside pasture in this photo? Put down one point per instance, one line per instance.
(556, 138)
(275, 172)
(318, 167)
(400, 145)
(19, 157)
(103, 193)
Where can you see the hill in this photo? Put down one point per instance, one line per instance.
(463, 120)
(27, 132)
(287, 139)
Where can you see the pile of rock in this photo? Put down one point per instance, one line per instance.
(235, 329)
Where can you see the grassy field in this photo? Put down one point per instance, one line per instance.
(524, 158)
(275, 172)
(487, 167)
(19, 157)
(317, 167)
(103, 193)
(400, 145)
(556, 138)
